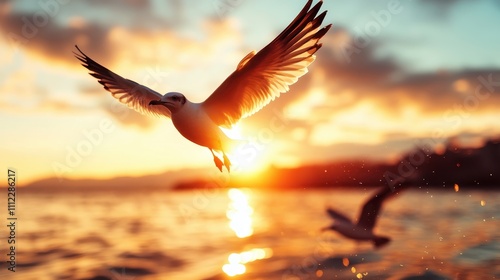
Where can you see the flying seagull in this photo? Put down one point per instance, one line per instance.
(258, 79)
(363, 229)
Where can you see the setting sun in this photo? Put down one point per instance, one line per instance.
(246, 155)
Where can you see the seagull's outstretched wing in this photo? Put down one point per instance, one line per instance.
(371, 209)
(260, 78)
(132, 94)
(337, 215)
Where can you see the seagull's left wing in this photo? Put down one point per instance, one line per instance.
(260, 78)
(337, 215)
(134, 95)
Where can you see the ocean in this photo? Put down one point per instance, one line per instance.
(249, 234)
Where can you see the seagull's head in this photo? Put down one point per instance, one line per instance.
(172, 100)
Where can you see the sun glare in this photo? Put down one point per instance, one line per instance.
(234, 132)
(249, 161)
(245, 155)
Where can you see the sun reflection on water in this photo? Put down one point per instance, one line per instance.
(239, 213)
(236, 261)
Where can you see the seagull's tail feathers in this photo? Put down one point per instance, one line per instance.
(380, 241)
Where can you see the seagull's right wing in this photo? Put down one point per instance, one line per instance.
(371, 209)
(337, 215)
(263, 76)
(132, 94)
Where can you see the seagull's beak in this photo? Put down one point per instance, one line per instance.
(155, 102)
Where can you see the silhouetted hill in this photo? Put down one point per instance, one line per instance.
(164, 180)
(467, 167)
(462, 166)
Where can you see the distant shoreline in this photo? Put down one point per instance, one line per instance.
(470, 168)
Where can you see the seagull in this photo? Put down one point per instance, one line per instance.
(259, 78)
(363, 230)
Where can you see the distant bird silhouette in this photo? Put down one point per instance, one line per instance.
(258, 79)
(363, 229)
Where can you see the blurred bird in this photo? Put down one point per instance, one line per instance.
(363, 230)
(258, 79)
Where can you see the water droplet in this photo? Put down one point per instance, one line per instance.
(483, 203)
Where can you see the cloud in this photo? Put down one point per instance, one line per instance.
(365, 76)
(51, 28)
(50, 40)
(353, 61)
(438, 91)
(163, 14)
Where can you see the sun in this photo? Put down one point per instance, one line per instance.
(248, 163)
(246, 156)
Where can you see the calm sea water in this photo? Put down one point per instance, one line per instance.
(251, 234)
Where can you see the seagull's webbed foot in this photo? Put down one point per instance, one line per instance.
(217, 161)
(227, 163)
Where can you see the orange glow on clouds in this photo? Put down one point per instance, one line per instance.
(303, 108)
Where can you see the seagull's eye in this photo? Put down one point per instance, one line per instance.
(175, 98)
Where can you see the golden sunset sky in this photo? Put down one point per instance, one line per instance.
(390, 75)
